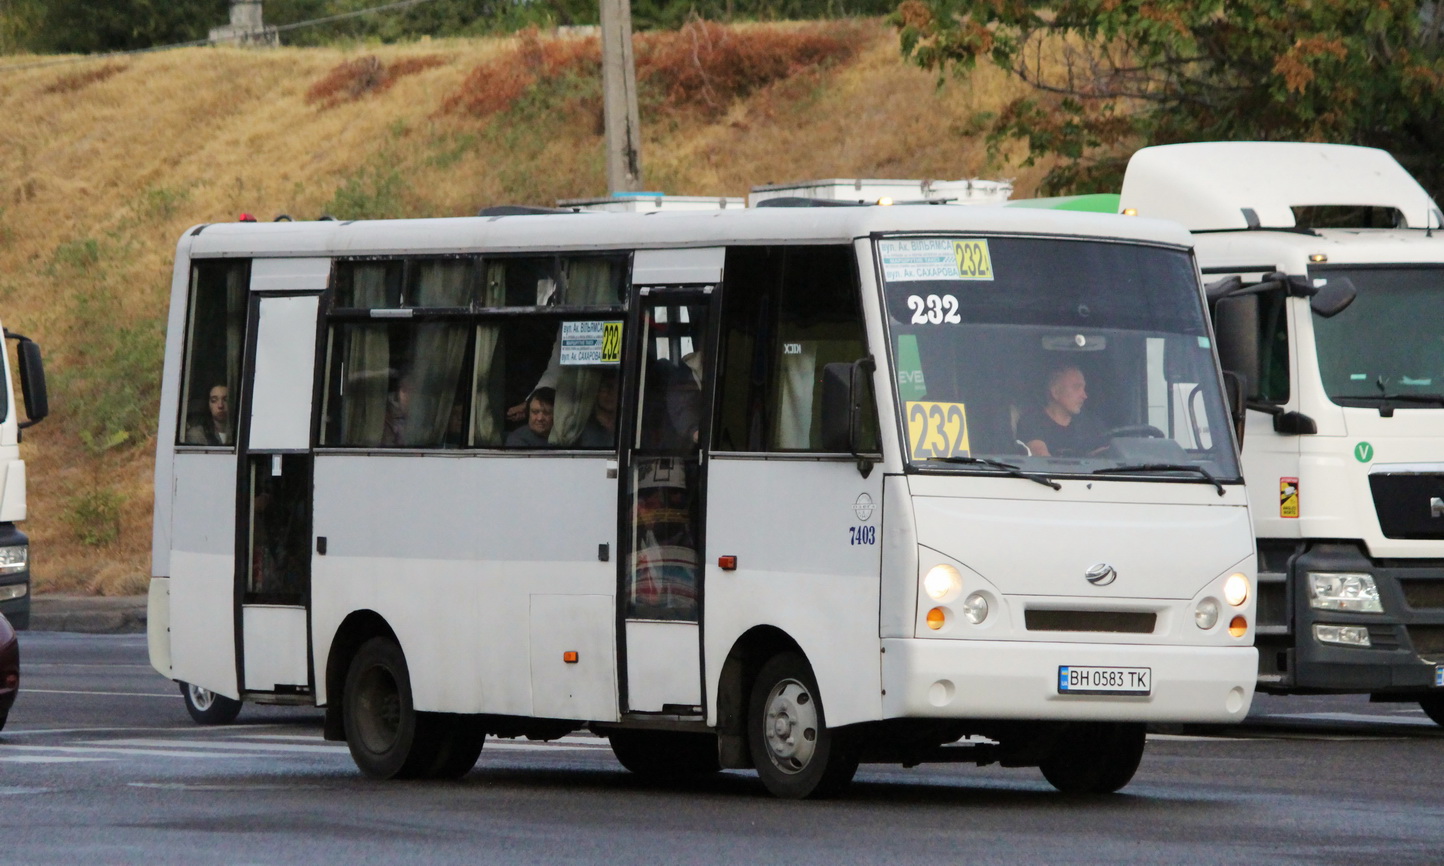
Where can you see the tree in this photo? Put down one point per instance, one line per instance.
(84, 26)
(1107, 76)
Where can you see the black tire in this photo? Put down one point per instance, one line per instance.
(4, 717)
(207, 707)
(1095, 757)
(666, 756)
(796, 755)
(1433, 707)
(387, 737)
(459, 740)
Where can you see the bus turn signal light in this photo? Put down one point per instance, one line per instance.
(935, 618)
(1238, 626)
(570, 657)
(727, 563)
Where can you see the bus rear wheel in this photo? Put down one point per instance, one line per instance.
(796, 755)
(1433, 707)
(208, 708)
(387, 737)
(1094, 757)
(665, 755)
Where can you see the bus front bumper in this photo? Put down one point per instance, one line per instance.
(954, 679)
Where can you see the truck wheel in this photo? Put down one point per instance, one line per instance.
(207, 707)
(1094, 757)
(665, 755)
(387, 737)
(1433, 706)
(795, 753)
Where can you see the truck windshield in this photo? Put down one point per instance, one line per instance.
(1388, 345)
(1053, 356)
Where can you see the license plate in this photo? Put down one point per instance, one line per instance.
(1076, 680)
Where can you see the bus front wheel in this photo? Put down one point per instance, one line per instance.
(208, 708)
(1094, 757)
(795, 753)
(383, 729)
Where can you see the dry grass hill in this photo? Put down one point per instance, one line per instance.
(104, 162)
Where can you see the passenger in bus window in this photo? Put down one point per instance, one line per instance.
(215, 428)
(398, 410)
(538, 429)
(1061, 428)
(601, 429)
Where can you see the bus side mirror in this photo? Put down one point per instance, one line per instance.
(1237, 405)
(1235, 326)
(32, 380)
(1333, 297)
(844, 387)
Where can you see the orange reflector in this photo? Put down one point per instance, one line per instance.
(935, 618)
(570, 657)
(727, 563)
(1238, 626)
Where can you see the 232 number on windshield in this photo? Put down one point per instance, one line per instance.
(937, 430)
(934, 309)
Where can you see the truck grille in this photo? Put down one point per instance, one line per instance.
(1112, 621)
(1404, 502)
(1428, 640)
(1423, 594)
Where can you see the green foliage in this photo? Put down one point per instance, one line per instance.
(84, 26)
(1110, 75)
(377, 191)
(94, 516)
(108, 380)
(159, 203)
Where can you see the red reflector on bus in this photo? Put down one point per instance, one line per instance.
(570, 657)
(727, 563)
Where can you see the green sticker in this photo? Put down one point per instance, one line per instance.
(1363, 452)
(910, 384)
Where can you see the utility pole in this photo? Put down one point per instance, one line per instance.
(619, 98)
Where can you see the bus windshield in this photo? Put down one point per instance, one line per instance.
(1388, 345)
(1054, 356)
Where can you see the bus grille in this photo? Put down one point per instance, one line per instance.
(1112, 621)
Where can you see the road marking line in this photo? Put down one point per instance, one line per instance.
(30, 691)
(155, 753)
(226, 744)
(46, 759)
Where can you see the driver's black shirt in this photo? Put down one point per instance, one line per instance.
(1083, 435)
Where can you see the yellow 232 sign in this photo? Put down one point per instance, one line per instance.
(937, 430)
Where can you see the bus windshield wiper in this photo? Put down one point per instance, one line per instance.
(1009, 468)
(1437, 399)
(1165, 467)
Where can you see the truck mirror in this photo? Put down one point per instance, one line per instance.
(1235, 325)
(1333, 297)
(32, 379)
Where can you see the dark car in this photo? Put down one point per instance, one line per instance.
(9, 668)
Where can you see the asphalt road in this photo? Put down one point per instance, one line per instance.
(101, 764)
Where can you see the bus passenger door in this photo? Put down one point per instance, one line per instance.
(273, 538)
(664, 479)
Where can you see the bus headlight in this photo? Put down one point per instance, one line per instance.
(942, 582)
(1205, 616)
(1235, 589)
(14, 559)
(1344, 591)
(975, 608)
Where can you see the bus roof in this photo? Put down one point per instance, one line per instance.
(615, 231)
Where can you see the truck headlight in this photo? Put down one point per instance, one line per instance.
(14, 558)
(1342, 635)
(13, 591)
(1348, 591)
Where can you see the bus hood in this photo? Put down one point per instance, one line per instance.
(1046, 548)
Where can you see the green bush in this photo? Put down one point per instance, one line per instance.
(95, 516)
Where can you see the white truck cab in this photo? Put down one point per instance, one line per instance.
(1325, 266)
(14, 545)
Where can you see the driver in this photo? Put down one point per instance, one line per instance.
(1060, 428)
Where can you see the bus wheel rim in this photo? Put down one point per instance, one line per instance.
(789, 726)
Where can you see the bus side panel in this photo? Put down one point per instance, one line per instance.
(165, 434)
(450, 550)
(202, 572)
(807, 535)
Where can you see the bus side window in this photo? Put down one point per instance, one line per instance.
(396, 384)
(215, 335)
(787, 313)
